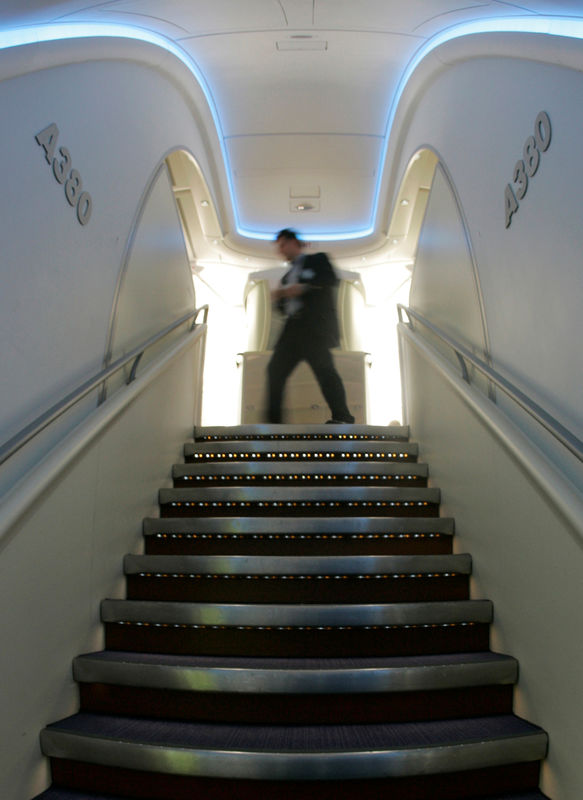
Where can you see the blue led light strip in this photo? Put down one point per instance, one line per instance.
(551, 26)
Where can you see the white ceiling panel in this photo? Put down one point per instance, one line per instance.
(345, 88)
(198, 17)
(29, 12)
(556, 7)
(269, 170)
(303, 87)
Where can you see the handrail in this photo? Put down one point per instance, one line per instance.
(19, 440)
(552, 425)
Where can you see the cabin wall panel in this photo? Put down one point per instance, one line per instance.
(526, 558)
(477, 115)
(65, 555)
(118, 120)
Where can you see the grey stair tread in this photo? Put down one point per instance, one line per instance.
(289, 675)
(56, 793)
(278, 447)
(534, 795)
(299, 565)
(314, 616)
(305, 469)
(301, 525)
(339, 751)
(255, 494)
(65, 794)
(387, 432)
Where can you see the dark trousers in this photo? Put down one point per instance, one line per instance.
(294, 345)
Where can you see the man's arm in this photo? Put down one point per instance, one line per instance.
(290, 290)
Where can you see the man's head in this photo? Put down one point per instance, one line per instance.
(288, 245)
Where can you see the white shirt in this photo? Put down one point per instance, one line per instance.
(294, 304)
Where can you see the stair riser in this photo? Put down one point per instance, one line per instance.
(313, 643)
(338, 509)
(274, 545)
(299, 457)
(223, 481)
(280, 431)
(313, 590)
(155, 786)
(296, 709)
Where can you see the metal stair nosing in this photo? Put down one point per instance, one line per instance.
(326, 676)
(191, 749)
(361, 525)
(259, 431)
(317, 615)
(267, 494)
(298, 565)
(285, 468)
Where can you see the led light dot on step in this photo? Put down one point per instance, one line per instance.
(194, 626)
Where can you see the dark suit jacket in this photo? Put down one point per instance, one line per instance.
(318, 311)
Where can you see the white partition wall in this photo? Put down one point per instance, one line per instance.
(516, 517)
(85, 278)
(115, 119)
(508, 286)
(477, 112)
(63, 554)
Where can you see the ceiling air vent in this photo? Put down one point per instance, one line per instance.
(304, 198)
(301, 43)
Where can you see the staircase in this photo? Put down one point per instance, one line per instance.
(298, 627)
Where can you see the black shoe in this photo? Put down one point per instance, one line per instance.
(348, 421)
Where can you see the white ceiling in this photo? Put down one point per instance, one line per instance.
(302, 87)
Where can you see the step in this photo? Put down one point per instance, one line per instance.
(296, 676)
(302, 432)
(311, 630)
(321, 791)
(298, 579)
(339, 752)
(335, 473)
(335, 450)
(71, 794)
(298, 535)
(296, 691)
(299, 500)
(284, 616)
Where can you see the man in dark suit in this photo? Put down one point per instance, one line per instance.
(311, 328)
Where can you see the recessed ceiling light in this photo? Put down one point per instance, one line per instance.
(404, 202)
(204, 203)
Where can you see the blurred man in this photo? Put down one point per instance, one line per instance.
(311, 328)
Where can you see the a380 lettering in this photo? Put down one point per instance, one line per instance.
(526, 168)
(69, 178)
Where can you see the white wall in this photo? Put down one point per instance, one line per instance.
(443, 284)
(63, 284)
(476, 115)
(155, 287)
(527, 558)
(118, 118)
(64, 555)
(476, 112)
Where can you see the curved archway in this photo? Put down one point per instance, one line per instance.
(410, 205)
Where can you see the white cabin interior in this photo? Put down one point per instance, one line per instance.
(150, 151)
